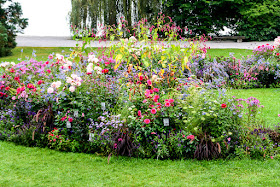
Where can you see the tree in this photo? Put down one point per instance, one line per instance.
(87, 13)
(260, 19)
(11, 23)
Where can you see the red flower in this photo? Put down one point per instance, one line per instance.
(64, 118)
(277, 54)
(139, 113)
(70, 120)
(156, 90)
(30, 86)
(39, 82)
(7, 88)
(16, 78)
(105, 71)
(49, 71)
(141, 78)
(190, 137)
(223, 105)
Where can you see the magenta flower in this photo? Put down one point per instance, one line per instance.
(153, 111)
(171, 100)
(190, 137)
(156, 90)
(149, 82)
(147, 121)
(167, 104)
(139, 113)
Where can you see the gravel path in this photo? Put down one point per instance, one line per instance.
(52, 41)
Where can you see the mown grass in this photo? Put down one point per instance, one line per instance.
(237, 53)
(23, 166)
(269, 97)
(42, 53)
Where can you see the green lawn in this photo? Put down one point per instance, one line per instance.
(269, 97)
(23, 166)
(41, 53)
(238, 53)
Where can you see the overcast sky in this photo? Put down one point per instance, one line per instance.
(46, 17)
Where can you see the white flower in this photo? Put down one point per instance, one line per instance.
(69, 80)
(92, 58)
(4, 64)
(74, 76)
(277, 41)
(98, 69)
(50, 90)
(13, 64)
(72, 88)
(69, 63)
(132, 39)
(78, 83)
(59, 57)
(56, 84)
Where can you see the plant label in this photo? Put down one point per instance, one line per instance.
(76, 112)
(166, 122)
(68, 124)
(103, 106)
(91, 135)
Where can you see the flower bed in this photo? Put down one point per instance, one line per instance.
(144, 101)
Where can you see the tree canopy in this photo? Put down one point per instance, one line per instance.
(255, 19)
(11, 23)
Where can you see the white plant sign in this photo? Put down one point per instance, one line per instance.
(103, 106)
(76, 113)
(166, 122)
(68, 125)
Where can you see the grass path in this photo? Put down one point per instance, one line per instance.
(23, 166)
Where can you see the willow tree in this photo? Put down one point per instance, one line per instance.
(88, 13)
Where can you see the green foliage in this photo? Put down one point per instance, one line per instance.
(260, 20)
(13, 23)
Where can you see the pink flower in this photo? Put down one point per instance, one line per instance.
(39, 82)
(190, 137)
(153, 133)
(171, 100)
(153, 111)
(167, 104)
(139, 113)
(63, 118)
(49, 71)
(271, 157)
(141, 78)
(120, 139)
(50, 56)
(145, 100)
(278, 115)
(115, 146)
(70, 119)
(149, 82)
(156, 90)
(156, 97)
(14, 98)
(147, 121)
